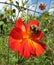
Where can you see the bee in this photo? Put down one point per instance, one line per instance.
(34, 29)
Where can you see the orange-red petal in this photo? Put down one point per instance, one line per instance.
(40, 48)
(20, 24)
(14, 44)
(32, 22)
(24, 49)
(16, 33)
(31, 48)
(37, 48)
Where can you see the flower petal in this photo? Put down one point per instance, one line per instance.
(32, 48)
(29, 47)
(36, 48)
(24, 49)
(33, 22)
(39, 48)
(14, 44)
(20, 24)
(37, 36)
(16, 33)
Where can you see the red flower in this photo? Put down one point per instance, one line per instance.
(42, 6)
(24, 39)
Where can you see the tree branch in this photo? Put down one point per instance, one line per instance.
(18, 7)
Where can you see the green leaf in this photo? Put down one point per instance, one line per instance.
(17, 3)
(1, 23)
(13, 14)
(21, 60)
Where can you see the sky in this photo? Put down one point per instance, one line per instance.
(46, 2)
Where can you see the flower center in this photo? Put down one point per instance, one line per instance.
(26, 36)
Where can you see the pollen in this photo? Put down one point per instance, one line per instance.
(26, 36)
(20, 41)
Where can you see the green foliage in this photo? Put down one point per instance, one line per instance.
(1, 23)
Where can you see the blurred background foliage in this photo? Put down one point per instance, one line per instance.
(7, 21)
